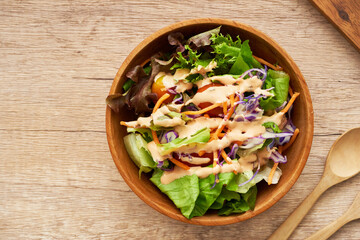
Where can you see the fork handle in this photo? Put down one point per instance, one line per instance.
(330, 229)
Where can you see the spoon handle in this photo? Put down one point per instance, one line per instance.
(287, 227)
(351, 214)
(330, 229)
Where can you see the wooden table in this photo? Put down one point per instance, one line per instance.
(57, 62)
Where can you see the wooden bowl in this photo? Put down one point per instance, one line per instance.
(262, 46)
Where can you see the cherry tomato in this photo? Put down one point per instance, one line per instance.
(159, 89)
(216, 111)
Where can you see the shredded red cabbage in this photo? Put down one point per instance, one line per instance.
(232, 153)
(281, 107)
(271, 145)
(216, 181)
(250, 110)
(178, 100)
(191, 108)
(252, 142)
(171, 135)
(257, 171)
(267, 135)
(277, 157)
(260, 71)
(160, 165)
(172, 90)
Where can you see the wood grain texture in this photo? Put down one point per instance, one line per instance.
(351, 214)
(342, 163)
(57, 63)
(344, 15)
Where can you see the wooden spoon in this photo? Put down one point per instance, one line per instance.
(343, 162)
(351, 214)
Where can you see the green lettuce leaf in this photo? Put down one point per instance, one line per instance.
(145, 132)
(193, 78)
(183, 116)
(275, 128)
(272, 126)
(240, 66)
(182, 191)
(240, 178)
(201, 136)
(208, 195)
(250, 197)
(137, 149)
(234, 206)
(225, 195)
(246, 53)
(280, 81)
(187, 62)
(240, 205)
(227, 39)
(233, 57)
(127, 85)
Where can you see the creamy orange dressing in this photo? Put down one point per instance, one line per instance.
(203, 70)
(178, 80)
(236, 131)
(195, 160)
(224, 79)
(155, 153)
(159, 120)
(197, 124)
(246, 163)
(220, 94)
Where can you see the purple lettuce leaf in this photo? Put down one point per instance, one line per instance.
(203, 39)
(139, 97)
(176, 39)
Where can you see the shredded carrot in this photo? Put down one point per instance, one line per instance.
(277, 68)
(273, 169)
(179, 164)
(145, 62)
(292, 139)
(225, 157)
(228, 115)
(215, 156)
(202, 152)
(239, 143)
(160, 101)
(157, 105)
(221, 134)
(291, 92)
(235, 172)
(232, 100)
(206, 115)
(202, 110)
(232, 109)
(124, 124)
(291, 101)
(225, 107)
(156, 139)
(272, 172)
(280, 150)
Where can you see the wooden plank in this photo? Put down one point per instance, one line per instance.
(344, 15)
(57, 59)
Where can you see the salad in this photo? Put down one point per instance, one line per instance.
(213, 120)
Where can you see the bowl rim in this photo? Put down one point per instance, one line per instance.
(309, 131)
